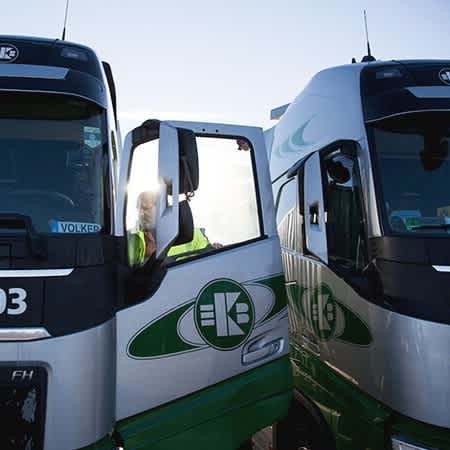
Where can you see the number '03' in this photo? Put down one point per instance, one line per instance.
(17, 303)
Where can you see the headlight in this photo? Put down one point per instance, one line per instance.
(398, 444)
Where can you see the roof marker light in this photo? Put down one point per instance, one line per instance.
(74, 53)
(388, 73)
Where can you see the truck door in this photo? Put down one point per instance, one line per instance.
(315, 221)
(209, 343)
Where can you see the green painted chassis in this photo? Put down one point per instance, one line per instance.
(357, 421)
(220, 417)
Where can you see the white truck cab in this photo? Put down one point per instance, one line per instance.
(124, 324)
(360, 169)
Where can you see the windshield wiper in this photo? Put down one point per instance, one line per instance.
(442, 226)
(23, 222)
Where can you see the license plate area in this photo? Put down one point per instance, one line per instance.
(23, 392)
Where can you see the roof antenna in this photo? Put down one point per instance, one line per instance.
(65, 21)
(368, 57)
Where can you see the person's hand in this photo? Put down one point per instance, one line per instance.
(150, 244)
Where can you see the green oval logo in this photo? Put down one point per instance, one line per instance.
(323, 312)
(224, 314)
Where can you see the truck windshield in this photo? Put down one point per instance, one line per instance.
(413, 171)
(51, 161)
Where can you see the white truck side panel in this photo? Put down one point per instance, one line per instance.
(143, 384)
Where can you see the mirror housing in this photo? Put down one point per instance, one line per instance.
(186, 224)
(187, 143)
(178, 173)
(338, 172)
(146, 132)
(189, 171)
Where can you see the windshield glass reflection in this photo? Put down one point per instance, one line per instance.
(412, 155)
(51, 161)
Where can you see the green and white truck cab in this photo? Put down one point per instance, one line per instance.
(99, 350)
(360, 168)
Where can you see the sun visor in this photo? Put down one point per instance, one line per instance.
(406, 100)
(395, 88)
(49, 79)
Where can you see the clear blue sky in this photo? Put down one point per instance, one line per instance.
(230, 61)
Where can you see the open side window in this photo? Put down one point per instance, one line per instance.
(331, 204)
(170, 216)
(225, 206)
(345, 222)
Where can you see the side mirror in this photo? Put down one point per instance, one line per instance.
(434, 154)
(338, 172)
(189, 172)
(188, 156)
(186, 224)
(176, 171)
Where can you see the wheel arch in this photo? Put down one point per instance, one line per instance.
(301, 403)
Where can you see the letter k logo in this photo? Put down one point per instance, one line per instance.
(225, 314)
(224, 303)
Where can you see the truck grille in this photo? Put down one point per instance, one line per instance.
(22, 407)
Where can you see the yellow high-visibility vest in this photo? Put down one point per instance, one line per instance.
(198, 242)
(136, 246)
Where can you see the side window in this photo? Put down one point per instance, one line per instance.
(224, 207)
(344, 229)
(288, 218)
(141, 203)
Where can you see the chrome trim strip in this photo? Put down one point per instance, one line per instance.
(23, 334)
(35, 273)
(399, 444)
(442, 268)
(311, 259)
(32, 71)
(404, 113)
(342, 373)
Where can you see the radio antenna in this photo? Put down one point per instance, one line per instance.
(65, 21)
(368, 57)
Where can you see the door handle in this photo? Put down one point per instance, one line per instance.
(314, 213)
(260, 349)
